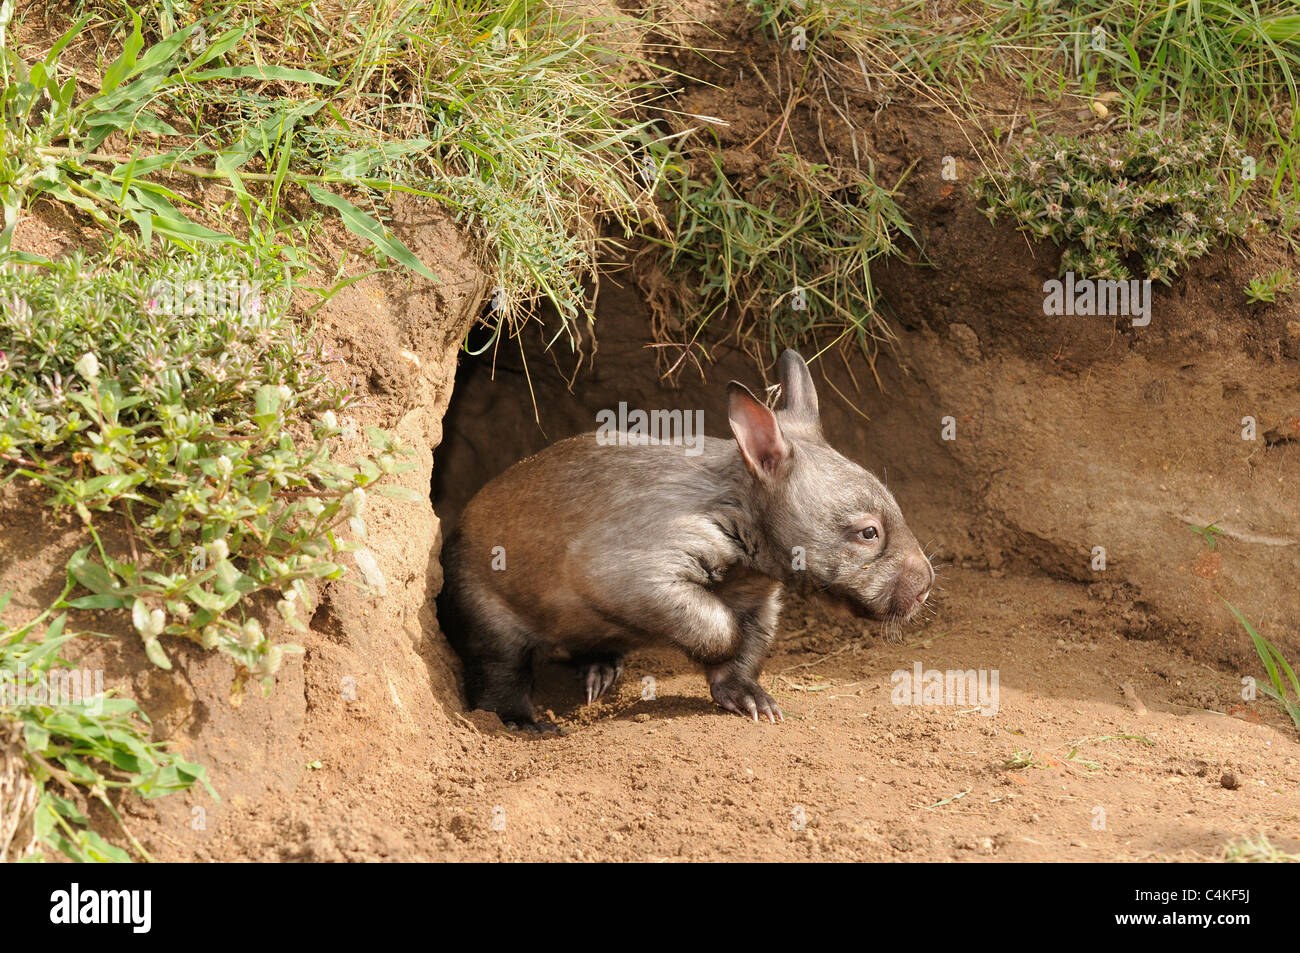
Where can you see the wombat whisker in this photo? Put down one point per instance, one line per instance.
(893, 630)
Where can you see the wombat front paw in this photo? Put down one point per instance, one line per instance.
(599, 674)
(746, 698)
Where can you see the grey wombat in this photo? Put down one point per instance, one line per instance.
(599, 548)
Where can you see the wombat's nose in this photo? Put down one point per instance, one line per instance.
(917, 567)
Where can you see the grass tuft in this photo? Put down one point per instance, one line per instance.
(1257, 850)
(780, 259)
(1283, 685)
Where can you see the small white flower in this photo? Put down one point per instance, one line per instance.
(88, 367)
(270, 662)
(250, 634)
(355, 502)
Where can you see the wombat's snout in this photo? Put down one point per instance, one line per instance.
(912, 586)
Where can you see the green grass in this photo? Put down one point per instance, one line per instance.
(1023, 759)
(1219, 59)
(65, 752)
(1198, 88)
(1257, 850)
(1283, 685)
(886, 46)
(514, 116)
(1210, 533)
(1223, 61)
(783, 262)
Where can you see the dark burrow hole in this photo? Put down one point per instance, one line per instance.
(510, 402)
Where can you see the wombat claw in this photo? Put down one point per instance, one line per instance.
(599, 677)
(747, 699)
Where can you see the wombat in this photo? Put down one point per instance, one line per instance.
(599, 546)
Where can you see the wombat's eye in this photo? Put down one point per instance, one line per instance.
(868, 534)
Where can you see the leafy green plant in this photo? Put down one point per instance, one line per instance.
(173, 404)
(55, 737)
(1023, 759)
(787, 257)
(53, 145)
(1283, 683)
(1266, 287)
(1210, 533)
(1153, 198)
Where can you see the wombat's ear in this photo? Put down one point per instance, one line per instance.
(799, 397)
(757, 432)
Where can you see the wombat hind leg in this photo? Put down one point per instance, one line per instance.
(598, 671)
(503, 685)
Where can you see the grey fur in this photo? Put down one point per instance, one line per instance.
(610, 547)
